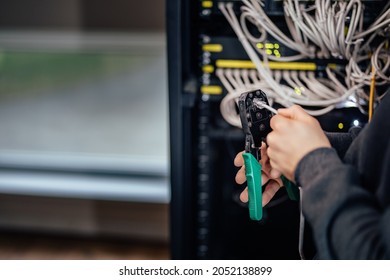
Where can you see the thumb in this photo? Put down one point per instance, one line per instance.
(295, 112)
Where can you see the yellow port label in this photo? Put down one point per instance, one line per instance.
(211, 90)
(223, 63)
(212, 48)
(208, 69)
(207, 4)
(274, 65)
(267, 46)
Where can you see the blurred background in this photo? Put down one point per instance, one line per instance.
(83, 130)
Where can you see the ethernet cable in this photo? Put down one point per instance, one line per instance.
(317, 92)
(286, 98)
(262, 105)
(239, 81)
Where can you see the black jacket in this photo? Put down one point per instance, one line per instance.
(346, 191)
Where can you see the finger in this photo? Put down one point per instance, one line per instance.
(270, 192)
(244, 195)
(265, 159)
(239, 160)
(274, 165)
(294, 112)
(266, 167)
(263, 149)
(274, 174)
(264, 178)
(279, 123)
(279, 181)
(263, 153)
(271, 140)
(240, 176)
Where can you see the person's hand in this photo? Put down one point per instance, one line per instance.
(295, 134)
(269, 175)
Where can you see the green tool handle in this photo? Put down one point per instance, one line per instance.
(253, 177)
(291, 188)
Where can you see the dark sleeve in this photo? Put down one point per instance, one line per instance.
(346, 219)
(341, 141)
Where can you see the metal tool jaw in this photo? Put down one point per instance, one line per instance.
(255, 121)
(256, 126)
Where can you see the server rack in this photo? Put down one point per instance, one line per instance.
(207, 219)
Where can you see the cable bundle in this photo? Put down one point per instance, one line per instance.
(303, 87)
(326, 29)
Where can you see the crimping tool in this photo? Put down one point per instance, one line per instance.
(255, 121)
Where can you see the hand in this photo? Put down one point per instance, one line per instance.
(295, 134)
(268, 175)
